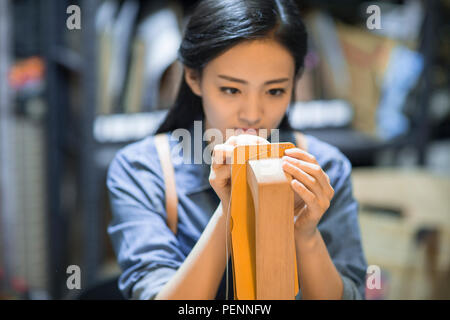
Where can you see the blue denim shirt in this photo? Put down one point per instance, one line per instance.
(149, 253)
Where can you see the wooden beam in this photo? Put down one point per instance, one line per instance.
(274, 229)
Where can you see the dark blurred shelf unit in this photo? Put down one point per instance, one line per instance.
(71, 147)
(23, 212)
(362, 149)
(6, 194)
(81, 143)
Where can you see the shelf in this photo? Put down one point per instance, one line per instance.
(67, 58)
(120, 128)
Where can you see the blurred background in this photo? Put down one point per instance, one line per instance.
(71, 97)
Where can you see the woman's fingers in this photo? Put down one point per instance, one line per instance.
(223, 153)
(314, 170)
(221, 158)
(309, 181)
(302, 179)
(308, 197)
(311, 168)
(301, 154)
(223, 174)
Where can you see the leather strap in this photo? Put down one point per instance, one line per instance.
(163, 149)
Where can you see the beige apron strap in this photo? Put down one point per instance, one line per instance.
(163, 149)
(300, 141)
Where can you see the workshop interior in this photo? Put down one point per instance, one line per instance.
(76, 89)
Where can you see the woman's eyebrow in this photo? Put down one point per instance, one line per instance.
(245, 82)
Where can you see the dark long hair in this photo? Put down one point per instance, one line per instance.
(217, 25)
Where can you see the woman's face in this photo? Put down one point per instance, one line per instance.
(247, 87)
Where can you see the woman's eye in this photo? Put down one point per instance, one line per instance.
(229, 90)
(233, 91)
(276, 92)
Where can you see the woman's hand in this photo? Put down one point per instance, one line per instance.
(220, 174)
(312, 191)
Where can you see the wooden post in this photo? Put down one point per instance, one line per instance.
(274, 229)
(262, 217)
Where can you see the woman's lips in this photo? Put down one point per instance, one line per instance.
(248, 130)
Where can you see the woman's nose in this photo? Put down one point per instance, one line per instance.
(251, 112)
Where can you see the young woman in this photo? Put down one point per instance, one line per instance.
(241, 61)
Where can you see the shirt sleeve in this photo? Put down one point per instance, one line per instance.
(147, 250)
(340, 229)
